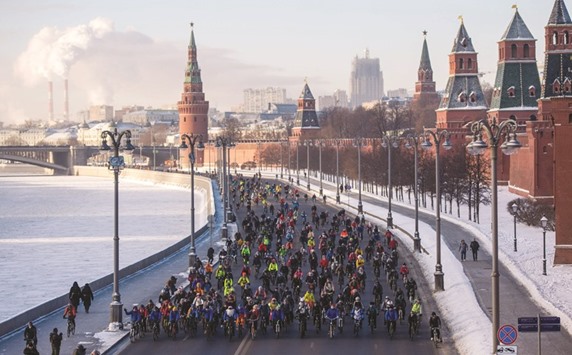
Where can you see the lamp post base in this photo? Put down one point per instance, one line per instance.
(417, 242)
(116, 315)
(439, 281)
(359, 207)
(298, 181)
(192, 258)
(321, 191)
(224, 234)
(543, 266)
(308, 186)
(389, 221)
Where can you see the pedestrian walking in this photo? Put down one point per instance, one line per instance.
(80, 350)
(463, 248)
(86, 296)
(75, 295)
(475, 249)
(31, 334)
(56, 341)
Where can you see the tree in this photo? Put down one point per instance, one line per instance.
(231, 128)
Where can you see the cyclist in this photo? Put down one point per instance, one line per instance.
(260, 294)
(230, 315)
(416, 309)
(154, 318)
(358, 312)
(435, 323)
(243, 280)
(404, 271)
(309, 299)
(372, 315)
(174, 317)
(135, 315)
(70, 313)
(391, 316)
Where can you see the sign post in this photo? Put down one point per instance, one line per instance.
(539, 324)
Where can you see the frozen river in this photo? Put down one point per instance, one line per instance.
(55, 230)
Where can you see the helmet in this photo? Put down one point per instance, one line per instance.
(390, 304)
(433, 314)
(386, 297)
(174, 308)
(357, 299)
(273, 299)
(229, 307)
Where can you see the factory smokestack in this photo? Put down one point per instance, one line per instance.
(66, 102)
(51, 100)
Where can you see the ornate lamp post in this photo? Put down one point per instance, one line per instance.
(282, 160)
(116, 163)
(298, 162)
(337, 143)
(358, 143)
(388, 142)
(413, 142)
(544, 223)
(224, 143)
(320, 143)
(494, 132)
(514, 207)
(307, 144)
(192, 139)
(289, 177)
(438, 137)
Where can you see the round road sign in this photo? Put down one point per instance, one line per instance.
(507, 334)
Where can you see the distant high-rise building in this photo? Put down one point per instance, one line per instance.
(338, 99)
(193, 108)
(257, 100)
(366, 81)
(401, 92)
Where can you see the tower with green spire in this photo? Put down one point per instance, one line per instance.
(193, 108)
(463, 100)
(517, 86)
(425, 98)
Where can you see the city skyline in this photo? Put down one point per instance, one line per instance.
(138, 57)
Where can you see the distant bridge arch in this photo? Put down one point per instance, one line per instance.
(32, 161)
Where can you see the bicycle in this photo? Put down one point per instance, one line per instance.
(173, 330)
(253, 328)
(413, 327)
(357, 326)
(133, 332)
(435, 336)
(229, 329)
(71, 326)
(332, 327)
(302, 327)
(391, 329)
(277, 328)
(156, 331)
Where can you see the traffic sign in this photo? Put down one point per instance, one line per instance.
(543, 327)
(506, 349)
(549, 320)
(527, 320)
(507, 334)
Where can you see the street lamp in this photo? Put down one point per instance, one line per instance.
(282, 159)
(544, 223)
(437, 136)
(514, 209)
(413, 142)
(192, 139)
(259, 156)
(223, 143)
(116, 163)
(289, 177)
(495, 132)
(337, 143)
(358, 142)
(298, 143)
(388, 142)
(320, 143)
(307, 144)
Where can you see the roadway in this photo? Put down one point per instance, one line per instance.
(290, 342)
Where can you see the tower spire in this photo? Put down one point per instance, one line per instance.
(559, 15)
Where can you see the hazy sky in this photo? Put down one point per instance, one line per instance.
(126, 52)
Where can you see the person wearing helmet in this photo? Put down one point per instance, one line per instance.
(357, 312)
(417, 309)
(391, 316)
(360, 261)
(435, 324)
(372, 315)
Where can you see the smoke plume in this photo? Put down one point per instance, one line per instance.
(51, 52)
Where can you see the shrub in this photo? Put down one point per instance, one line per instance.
(531, 211)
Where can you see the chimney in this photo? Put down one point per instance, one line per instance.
(51, 100)
(66, 102)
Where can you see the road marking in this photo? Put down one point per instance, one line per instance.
(242, 345)
(312, 345)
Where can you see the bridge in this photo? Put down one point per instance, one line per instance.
(61, 159)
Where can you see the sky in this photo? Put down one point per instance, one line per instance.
(458, 306)
(127, 52)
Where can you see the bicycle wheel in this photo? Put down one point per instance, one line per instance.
(155, 333)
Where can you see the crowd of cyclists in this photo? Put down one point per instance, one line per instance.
(309, 268)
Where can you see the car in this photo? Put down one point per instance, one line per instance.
(248, 165)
